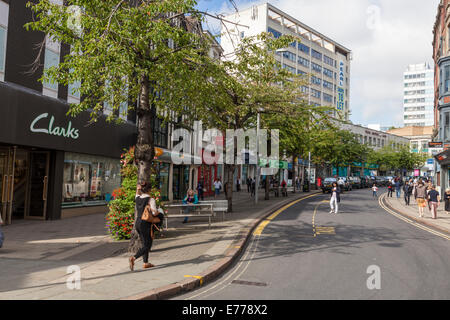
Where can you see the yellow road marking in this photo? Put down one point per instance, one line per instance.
(321, 230)
(196, 277)
(259, 230)
(395, 214)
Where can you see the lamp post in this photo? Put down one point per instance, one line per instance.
(258, 170)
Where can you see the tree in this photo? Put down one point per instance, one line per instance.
(252, 82)
(145, 54)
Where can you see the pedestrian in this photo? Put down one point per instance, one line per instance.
(374, 191)
(421, 197)
(434, 199)
(398, 189)
(217, 187)
(407, 190)
(390, 189)
(447, 201)
(2, 236)
(200, 190)
(238, 185)
(190, 199)
(143, 228)
(335, 198)
(249, 184)
(253, 187)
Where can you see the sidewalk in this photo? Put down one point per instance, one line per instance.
(36, 255)
(442, 223)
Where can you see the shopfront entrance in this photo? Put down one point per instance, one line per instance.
(24, 183)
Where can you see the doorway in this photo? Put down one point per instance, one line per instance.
(24, 183)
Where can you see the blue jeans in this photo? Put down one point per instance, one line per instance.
(187, 211)
(399, 193)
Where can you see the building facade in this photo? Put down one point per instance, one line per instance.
(420, 138)
(325, 62)
(418, 103)
(441, 57)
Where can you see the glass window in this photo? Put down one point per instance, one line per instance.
(89, 180)
(275, 33)
(316, 67)
(2, 49)
(328, 60)
(304, 48)
(316, 54)
(51, 60)
(315, 80)
(289, 55)
(328, 72)
(289, 68)
(304, 62)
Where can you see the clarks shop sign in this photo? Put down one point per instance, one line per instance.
(44, 123)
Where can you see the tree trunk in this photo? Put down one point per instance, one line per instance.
(229, 187)
(145, 149)
(267, 189)
(293, 173)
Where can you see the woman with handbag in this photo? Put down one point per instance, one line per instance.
(146, 214)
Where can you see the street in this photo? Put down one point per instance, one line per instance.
(308, 253)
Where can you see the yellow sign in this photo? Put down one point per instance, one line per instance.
(158, 152)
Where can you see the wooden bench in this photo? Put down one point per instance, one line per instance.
(218, 206)
(197, 210)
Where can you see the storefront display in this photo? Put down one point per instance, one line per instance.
(89, 180)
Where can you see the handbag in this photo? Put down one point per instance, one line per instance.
(148, 216)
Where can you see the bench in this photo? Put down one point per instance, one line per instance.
(218, 206)
(198, 210)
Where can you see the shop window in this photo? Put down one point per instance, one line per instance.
(89, 180)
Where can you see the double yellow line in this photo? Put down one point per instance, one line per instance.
(259, 230)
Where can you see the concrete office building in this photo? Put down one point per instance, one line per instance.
(325, 62)
(418, 106)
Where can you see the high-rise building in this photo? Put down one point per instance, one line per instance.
(418, 106)
(325, 62)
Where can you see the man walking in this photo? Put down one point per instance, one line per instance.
(434, 200)
(398, 189)
(408, 189)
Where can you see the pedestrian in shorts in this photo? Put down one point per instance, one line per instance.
(374, 191)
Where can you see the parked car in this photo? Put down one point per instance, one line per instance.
(356, 182)
(328, 184)
(345, 184)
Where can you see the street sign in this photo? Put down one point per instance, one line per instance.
(435, 144)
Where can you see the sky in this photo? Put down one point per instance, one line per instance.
(385, 36)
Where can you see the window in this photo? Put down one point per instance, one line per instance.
(327, 85)
(328, 73)
(89, 180)
(315, 80)
(51, 59)
(289, 55)
(316, 67)
(446, 79)
(4, 11)
(275, 33)
(315, 93)
(289, 68)
(304, 62)
(328, 60)
(328, 98)
(316, 54)
(304, 48)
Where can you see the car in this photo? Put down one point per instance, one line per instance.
(328, 184)
(356, 182)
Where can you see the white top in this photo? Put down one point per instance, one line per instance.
(217, 184)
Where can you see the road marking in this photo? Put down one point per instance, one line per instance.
(196, 277)
(418, 225)
(321, 230)
(259, 230)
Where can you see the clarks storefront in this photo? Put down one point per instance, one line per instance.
(49, 161)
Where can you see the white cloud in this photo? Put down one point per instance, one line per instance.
(384, 36)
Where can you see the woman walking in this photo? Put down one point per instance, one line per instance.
(374, 191)
(421, 196)
(434, 200)
(143, 199)
(335, 198)
(447, 201)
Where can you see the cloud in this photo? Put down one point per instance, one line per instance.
(385, 36)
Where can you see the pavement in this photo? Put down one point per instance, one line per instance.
(44, 259)
(442, 223)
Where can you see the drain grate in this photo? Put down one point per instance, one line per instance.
(249, 283)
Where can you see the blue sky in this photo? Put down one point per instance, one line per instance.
(384, 36)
